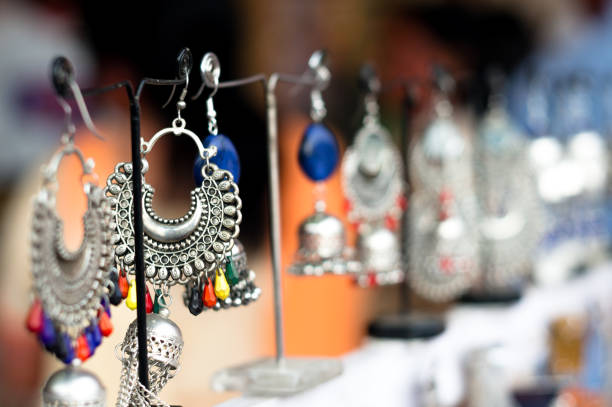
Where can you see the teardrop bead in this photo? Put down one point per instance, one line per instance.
(226, 158)
(230, 272)
(222, 289)
(115, 296)
(105, 324)
(96, 334)
(195, 302)
(319, 152)
(123, 284)
(91, 343)
(148, 301)
(130, 300)
(47, 332)
(105, 306)
(209, 298)
(66, 352)
(34, 321)
(156, 306)
(82, 348)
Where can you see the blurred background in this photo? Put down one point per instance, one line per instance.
(554, 54)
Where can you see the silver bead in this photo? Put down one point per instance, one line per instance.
(73, 387)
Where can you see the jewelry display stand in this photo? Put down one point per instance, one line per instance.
(408, 324)
(280, 375)
(62, 74)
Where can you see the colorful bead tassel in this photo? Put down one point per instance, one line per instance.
(130, 300)
(208, 296)
(222, 289)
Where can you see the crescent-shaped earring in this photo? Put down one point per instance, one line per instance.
(184, 250)
(70, 313)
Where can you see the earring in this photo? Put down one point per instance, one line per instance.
(186, 250)
(70, 313)
(374, 190)
(321, 235)
(164, 348)
(200, 296)
(442, 244)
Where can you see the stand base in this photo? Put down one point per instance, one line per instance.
(406, 326)
(269, 378)
(501, 297)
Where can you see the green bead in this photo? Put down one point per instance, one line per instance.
(156, 305)
(230, 272)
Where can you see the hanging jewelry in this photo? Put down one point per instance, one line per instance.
(442, 243)
(510, 213)
(70, 313)
(321, 235)
(200, 296)
(373, 185)
(188, 249)
(164, 348)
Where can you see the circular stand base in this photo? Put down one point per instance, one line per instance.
(406, 326)
(505, 297)
(269, 378)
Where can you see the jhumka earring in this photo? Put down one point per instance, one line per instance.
(70, 313)
(322, 236)
(373, 185)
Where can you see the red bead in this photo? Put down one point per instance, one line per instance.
(83, 352)
(348, 205)
(149, 301)
(34, 321)
(372, 279)
(447, 264)
(445, 196)
(124, 286)
(105, 324)
(391, 222)
(208, 296)
(402, 202)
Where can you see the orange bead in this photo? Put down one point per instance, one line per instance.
(105, 324)
(208, 296)
(149, 301)
(124, 286)
(83, 352)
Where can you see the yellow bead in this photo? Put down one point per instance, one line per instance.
(130, 301)
(222, 288)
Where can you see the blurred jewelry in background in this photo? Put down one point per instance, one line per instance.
(571, 170)
(322, 237)
(374, 190)
(443, 242)
(509, 210)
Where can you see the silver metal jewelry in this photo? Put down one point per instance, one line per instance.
(73, 387)
(71, 284)
(510, 214)
(186, 248)
(164, 345)
(442, 248)
(379, 251)
(372, 171)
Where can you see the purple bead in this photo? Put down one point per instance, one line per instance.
(47, 333)
(226, 158)
(319, 152)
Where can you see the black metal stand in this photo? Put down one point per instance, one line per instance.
(62, 75)
(408, 324)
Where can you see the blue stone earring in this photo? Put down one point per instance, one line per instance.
(321, 235)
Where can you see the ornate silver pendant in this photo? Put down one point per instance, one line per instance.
(71, 284)
(73, 387)
(372, 175)
(510, 214)
(443, 248)
(183, 249)
(379, 252)
(165, 345)
(323, 247)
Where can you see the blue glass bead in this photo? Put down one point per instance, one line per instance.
(67, 349)
(226, 157)
(91, 342)
(47, 333)
(96, 334)
(106, 306)
(319, 152)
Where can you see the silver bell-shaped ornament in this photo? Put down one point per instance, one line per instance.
(323, 247)
(379, 252)
(165, 345)
(73, 387)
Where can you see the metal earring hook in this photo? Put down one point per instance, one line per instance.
(78, 97)
(184, 61)
(321, 75)
(210, 70)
